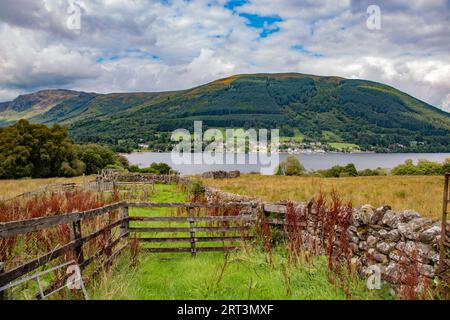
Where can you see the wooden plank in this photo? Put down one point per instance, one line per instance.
(59, 282)
(275, 221)
(196, 219)
(185, 229)
(207, 249)
(76, 234)
(197, 239)
(188, 205)
(50, 256)
(13, 228)
(192, 231)
(161, 250)
(2, 269)
(274, 208)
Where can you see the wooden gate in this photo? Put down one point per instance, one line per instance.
(195, 227)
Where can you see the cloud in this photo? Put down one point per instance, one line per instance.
(168, 45)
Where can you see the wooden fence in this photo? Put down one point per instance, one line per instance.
(219, 233)
(109, 251)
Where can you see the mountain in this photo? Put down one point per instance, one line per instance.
(306, 107)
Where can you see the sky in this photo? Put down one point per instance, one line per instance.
(135, 45)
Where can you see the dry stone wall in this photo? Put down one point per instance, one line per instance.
(383, 238)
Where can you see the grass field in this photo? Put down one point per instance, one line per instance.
(12, 188)
(244, 275)
(420, 193)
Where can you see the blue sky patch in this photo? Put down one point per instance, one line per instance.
(302, 49)
(230, 5)
(128, 53)
(267, 23)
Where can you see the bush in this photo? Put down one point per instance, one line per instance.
(195, 188)
(290, 167)
(423, 167)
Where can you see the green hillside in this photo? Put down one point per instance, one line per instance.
(320, 109)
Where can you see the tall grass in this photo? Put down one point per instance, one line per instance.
(420, 193)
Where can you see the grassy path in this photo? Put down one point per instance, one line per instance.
(244, 275)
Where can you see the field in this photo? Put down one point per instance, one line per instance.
(243, 275)
(420, 193)
(12, 188)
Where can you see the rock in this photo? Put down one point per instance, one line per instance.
(398, 256)
(354, 247)
(391, 219)
(431, 235)
(363, 246)
(362, 233)
(424, 252)
(400, 246)
(382, 233)
(426, 270)
(378, 214)
(393, 235)
(392, 272)
(385, 247)
(354, 240)
(371, 241)
(411, 230)
(409, 215)
(377, 256)
(365, 214)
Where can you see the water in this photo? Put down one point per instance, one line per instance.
(310, 161)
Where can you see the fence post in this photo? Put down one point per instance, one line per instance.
(76, 234)
(192, 231)
(442, 254)
(2, 293)
(125, 225)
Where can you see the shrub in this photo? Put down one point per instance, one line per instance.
(290, 167)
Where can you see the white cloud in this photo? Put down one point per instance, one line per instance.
(188, 43)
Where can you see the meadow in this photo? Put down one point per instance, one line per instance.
(420, 193)
(13, 188)
(245, 274)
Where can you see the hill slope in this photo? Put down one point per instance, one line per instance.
(327, 109)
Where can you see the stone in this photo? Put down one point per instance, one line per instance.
(382, 258)
(392, 272)
(409, 215)
(393, 235)
(365, 214)
(371, 241)
(431, 235)
(385, 247)
(354, 240)
(363, 246)
(378, 214)
(424, 252)
(412, 229)
(426, 270)
(398, 256)
(362, 233)
(354, 247)
(391, 219)
(382, 233)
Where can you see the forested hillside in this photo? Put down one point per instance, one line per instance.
(316, 109)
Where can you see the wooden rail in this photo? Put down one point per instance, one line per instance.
(15, 228)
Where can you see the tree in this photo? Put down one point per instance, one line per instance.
(290, 167)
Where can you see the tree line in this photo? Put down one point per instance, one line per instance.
(38, 151)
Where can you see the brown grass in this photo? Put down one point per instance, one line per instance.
(12, 188)
(420, 193)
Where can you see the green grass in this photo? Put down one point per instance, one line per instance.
(247, 274)
(342, 145)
